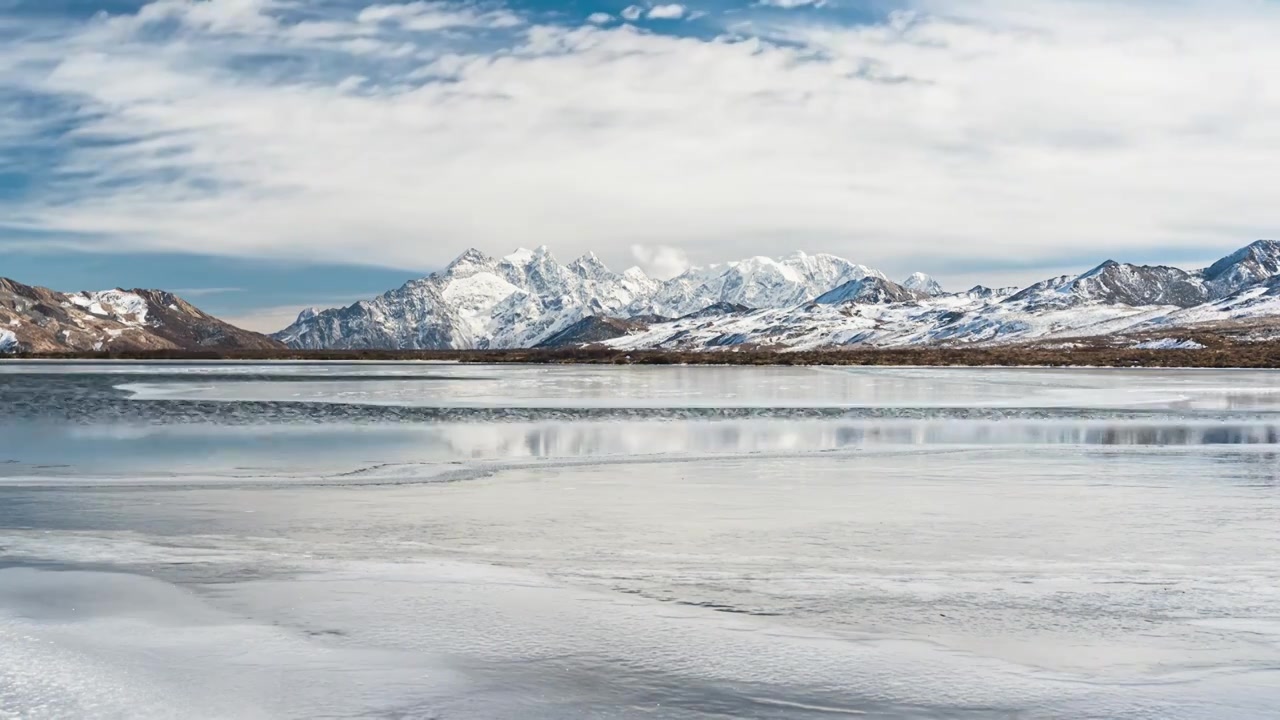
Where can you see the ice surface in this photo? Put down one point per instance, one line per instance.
(747, 387)
(887, 584)
(77, 644)
(1060, 563)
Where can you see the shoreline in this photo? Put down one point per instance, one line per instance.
(1253, 356)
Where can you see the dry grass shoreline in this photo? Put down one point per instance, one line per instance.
(1253, 355)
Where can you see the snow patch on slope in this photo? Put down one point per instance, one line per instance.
(950, 320)
(1168, 344)
(8, 341)
(125, 307)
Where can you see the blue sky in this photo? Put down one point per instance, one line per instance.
(267, 155)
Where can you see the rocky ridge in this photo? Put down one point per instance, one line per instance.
(37, 319)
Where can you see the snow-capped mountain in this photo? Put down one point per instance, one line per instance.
(1123, 284)
(528, 299)
(1112, 298)
(37, 319)
(922, 283)
(757, 282)
(525, 298)
(1247, 266)
(479, 302)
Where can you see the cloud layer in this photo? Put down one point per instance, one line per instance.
(402, 133)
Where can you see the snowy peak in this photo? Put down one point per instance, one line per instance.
(1101, 269)
(716, 310)
(1116, 283)
(870, 291)
(307, 314)
(1147, 285)
(923, 283)
(1125, 284)
(468, 262)
(982, 292)
(589, 267)
(757, 282)
(1251, 264)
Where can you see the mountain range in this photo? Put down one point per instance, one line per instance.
(528, 299)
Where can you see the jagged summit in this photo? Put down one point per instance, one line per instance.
(307, 314)
(523, 256)
(1252, 263)
(471, 256)
(590, 267)
(922, 283)
(1100, 269)
(868, 291)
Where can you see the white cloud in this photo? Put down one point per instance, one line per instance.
(351, 84)
(660, 261)
(213, 15)
(632, 12)
(791, 4)
(1032, 129)
(429, 16)
(600, 18)
(666, 12)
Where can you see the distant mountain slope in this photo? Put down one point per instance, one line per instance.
(528, 299)
(37, 319)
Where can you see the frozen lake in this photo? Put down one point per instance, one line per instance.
(238, 540)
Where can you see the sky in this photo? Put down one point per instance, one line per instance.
(261, 156)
